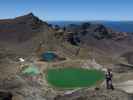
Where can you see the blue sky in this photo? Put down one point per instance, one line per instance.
(69, 9)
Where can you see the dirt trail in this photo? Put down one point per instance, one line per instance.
(126, 86)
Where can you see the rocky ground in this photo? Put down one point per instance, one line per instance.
(23, 88)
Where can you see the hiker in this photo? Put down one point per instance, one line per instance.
(109, 76)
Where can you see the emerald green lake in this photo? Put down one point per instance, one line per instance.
(74, 77)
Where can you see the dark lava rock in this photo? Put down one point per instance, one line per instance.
(5, 95)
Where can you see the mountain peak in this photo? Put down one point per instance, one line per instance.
(30, 14)
(27, 16)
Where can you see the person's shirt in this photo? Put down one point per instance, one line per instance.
(109, 75)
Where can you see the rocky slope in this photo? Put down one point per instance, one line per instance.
(20, 29)
(28, 33)
(95, 95)
(98, 39)
(27, 36)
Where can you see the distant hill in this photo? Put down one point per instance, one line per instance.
(98, 39)
(21, 29)
(121, 26)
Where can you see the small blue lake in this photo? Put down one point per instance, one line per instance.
(48, 56)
